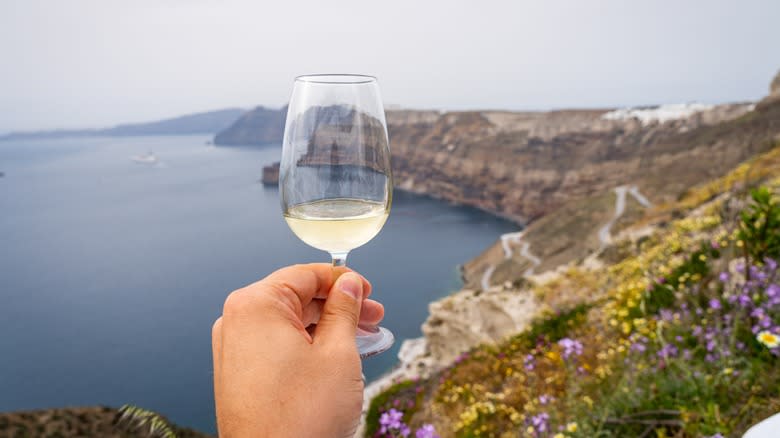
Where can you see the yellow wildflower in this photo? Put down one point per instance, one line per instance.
(769, 339)
(728, 371)
(530, 430)
(571, 427)
(588, 401)
(559, 435)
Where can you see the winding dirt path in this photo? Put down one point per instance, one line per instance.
(605, 235)
(507, 241)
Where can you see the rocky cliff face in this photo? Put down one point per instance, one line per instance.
(523, 165)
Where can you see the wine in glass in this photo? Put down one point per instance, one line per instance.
(335, 180)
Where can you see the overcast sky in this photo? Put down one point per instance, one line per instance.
(85, 63)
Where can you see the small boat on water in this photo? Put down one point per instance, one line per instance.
(148, 158)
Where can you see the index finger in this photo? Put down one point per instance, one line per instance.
(310, 281)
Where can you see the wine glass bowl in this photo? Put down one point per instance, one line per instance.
(335, 180)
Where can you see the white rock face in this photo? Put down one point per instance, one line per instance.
(469, 318)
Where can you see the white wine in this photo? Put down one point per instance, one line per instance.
(337, 225)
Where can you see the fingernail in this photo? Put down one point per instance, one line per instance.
(351, 285)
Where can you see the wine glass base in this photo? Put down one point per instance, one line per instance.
(373, 340)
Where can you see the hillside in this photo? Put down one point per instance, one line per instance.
(662, 171)
(199, 123)
(620, 313)
(671, 330)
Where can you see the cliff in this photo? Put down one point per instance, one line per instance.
(523, 165)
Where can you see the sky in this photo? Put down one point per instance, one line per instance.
(80, 63)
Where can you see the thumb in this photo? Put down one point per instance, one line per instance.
(341, 312)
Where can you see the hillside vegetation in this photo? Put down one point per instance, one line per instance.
(676, 334)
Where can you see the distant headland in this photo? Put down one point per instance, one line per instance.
(209, 122)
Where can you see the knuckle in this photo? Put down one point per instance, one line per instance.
(285, 294)
(239, 301)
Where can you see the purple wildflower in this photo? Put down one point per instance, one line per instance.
(570, 347)
(723, 277)
(668, 350)
(390, 420)
(540, 421)
(544, 399)
(426, 431)
(771, 264)
(715, 304)
(528, 362)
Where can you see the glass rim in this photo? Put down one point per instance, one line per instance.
(336, 78)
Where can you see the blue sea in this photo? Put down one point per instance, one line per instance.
(112, 271)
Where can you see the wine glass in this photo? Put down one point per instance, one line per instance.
(335, 181)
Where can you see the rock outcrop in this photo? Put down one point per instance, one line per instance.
(472, 317)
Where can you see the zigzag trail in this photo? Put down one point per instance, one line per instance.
(605, 237)
(506, 240)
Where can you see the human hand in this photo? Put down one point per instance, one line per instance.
(271, 376)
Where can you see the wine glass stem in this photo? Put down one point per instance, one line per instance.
(339, 258)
